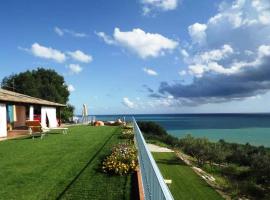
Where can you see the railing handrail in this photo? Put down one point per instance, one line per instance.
(150, 188)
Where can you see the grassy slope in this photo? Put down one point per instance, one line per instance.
(97, 185)
(41, 169)
(185, 183)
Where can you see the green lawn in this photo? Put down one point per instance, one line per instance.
(185, 183)
(61, 166)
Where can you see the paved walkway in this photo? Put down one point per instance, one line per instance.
(155, 148)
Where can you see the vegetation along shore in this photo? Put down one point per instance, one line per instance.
(239, 170)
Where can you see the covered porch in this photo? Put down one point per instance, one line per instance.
(16, 109)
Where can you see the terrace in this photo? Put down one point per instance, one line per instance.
(68, 167)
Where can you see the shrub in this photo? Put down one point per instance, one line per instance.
(151, 128)
(252, 189)
(123, 160)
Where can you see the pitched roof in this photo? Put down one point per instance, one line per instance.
(9, 96)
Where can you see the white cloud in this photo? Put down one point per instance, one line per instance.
(243, 13)
(232, 58)
(207, 61)
(183, 73)
(184, 53)
(56, 55)
(163, 5)
(58, 31)
(235, 67)
(197, 69)
(146, 10)
(150, 72)
(168, 101)
(128, 103)
(81, 56)
(47, 52)
(264, 50)
(71, 88)
(214, 55)
(75, 68)
(107, 39)
(197, 33)
(243, 24)
(61, 32)
(142, 43)
(264, 17)
(234, 23)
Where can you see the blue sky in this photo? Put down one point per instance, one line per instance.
(145, 56)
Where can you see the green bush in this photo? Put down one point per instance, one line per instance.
(252, 189)
(152, 128)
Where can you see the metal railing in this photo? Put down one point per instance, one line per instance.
(153, 183)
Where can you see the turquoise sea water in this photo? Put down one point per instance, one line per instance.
(254, 136)
(239, 128)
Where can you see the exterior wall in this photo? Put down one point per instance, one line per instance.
(3, 120)
(21, 116)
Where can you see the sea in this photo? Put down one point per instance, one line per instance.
(238, 128)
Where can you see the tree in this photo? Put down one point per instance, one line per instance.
(152, 128)
(217, 153)
(201, 150)
(67, 112)
(41, 83)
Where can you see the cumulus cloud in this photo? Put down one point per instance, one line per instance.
(243, 13)
(71, 88)
(232, 59)
(163, 5)
(61, 32)
(250, 81)
(128, 103)
(207, 61)
(47, 53)
(75, 68)
(140, 42)
(150, 72)
(81, 56)
(56, 55)
(197, 33)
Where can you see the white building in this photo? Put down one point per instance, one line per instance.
(16, 109)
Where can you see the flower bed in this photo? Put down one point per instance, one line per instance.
(121, 161)
(127, 134)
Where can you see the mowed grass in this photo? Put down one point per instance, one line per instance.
(92, 183)
(185, 183)
(42, 169)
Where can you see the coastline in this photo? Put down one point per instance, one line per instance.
(253, 128)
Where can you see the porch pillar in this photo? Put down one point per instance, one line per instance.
(43, 116)
(31, 113)
(3, 120)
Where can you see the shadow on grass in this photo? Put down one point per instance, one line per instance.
(134, 191)
(85, 167)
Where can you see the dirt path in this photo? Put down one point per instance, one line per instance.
(156, 148)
